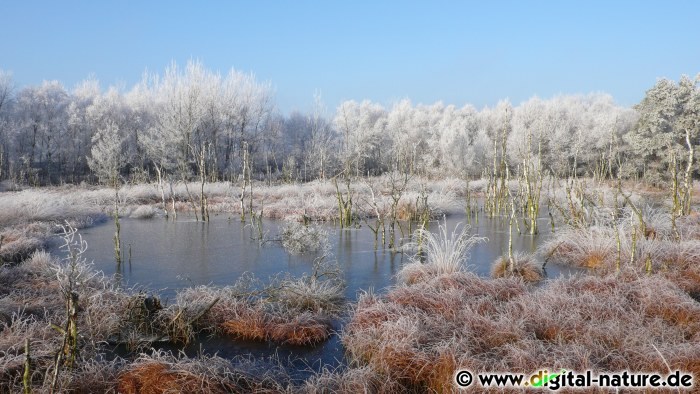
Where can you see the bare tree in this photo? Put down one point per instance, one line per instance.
(6, 89)
(106, 162)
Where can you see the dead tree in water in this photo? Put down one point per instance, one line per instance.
(379, 214)
(246, 175)
(201, 155)
(531, 185)
(397, 186)
(497, 189)
(107, 162)
(344, 203)
(118, 227)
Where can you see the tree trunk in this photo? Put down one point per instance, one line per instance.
(688, 182)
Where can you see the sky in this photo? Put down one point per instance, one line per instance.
(457, 52)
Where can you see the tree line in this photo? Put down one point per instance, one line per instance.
(191, 123)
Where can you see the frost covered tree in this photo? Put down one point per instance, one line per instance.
(179, 97)
(296, 134)
(176, 137)
(191, 123)
(322, 144)
(246, 110)
(666, 136)
(404, 147)
(204, 122)
(249, 126)
(667, 129)
(457, 140)
(106, 161)
(106, 155)
(575, 134)
(80, 130)
(360, 127)
(414, 135)
(40, 125)
(428, 129)
(111, 110)
(6, 89)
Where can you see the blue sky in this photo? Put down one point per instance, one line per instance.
(456, 51)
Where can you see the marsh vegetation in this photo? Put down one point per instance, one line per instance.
(371, 225)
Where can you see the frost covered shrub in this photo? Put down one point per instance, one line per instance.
(298, 238)
(144, 212)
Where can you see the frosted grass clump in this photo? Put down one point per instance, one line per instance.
(298, 238)
(144, 212)
(441, 252)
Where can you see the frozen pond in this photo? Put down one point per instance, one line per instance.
(169, 255)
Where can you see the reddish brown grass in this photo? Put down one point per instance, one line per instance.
(417, 272)
(524, 267)
(249, 324)
(687, 279)
(372, 312)
(471, 285)
(593, 259)
(414, 333)
(589, 248)
(161, 378)
(447, 303)
(676, 310)
(441, 374)
(304, 329)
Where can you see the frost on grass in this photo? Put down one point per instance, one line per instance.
(439, 253)
(350, 381)
(419, 334)
(164, 373)
(523, 266)
(299, 238)
(144, 212)
(17, 245)
(296, 311)
(287, 310)
(320, 291)
(54, 206)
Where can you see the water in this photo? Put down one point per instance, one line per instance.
(170, 255)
